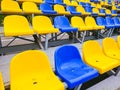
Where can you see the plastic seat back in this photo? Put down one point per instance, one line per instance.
(59, 8)
(107, 11)
(95, 10)
(99, 6)
(109, 21)
(10, 6)
(58, 1)
(16, 25)
(88, 9)
(45, 6)
(1, 82)
(80, 9)
(63, 22)
(113, 11)
(41, 27)
(32, 67)
(101, 21)
(77, 21)
(93, 4)
(114, 8)
(49, 1)
(90, 21)
(71, 8)
(88, 5)
(116, 20)
(74, 3)
(89, 52)
(102, 10)
(109, 45)
(30, 7)
(67, 2)
(61, 58)
(38, 22)
(82, 3)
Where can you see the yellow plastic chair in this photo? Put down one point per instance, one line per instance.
(68, 3)
(78, 22)
(30, 8)
(16, 25)
(110, 48)
(36, 1)
(94, 56)
(74, 3)
(109, 12)
(1, 82)
(106, 4)
(31, 70)
(114, 8)
(61, 10)
(95, 10)
(10, 7)
(93, 4)
(99, 6)
(90, 21)
(113, 3)
(102, 3)
(87, 1)
(82, 10)
(43, 25)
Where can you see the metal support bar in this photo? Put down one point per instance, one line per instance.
(24, 39)
(46, 41)
(0, 43)
(116, 71)
(10, 42)
(78, 87)
(65, 85)
(37, 40)
(54, 37)
(33, 15)
(83, 37)
(111, 32)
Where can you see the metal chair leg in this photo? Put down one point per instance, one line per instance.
(83, 38)
(78, 87)
(46, 41)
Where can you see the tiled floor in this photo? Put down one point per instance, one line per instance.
(111, 83)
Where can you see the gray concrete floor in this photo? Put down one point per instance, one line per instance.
(111, 83)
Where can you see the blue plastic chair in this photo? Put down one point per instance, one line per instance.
(46, 9)
(109, 2)
(82, 4)
(102, 11)
(116, 21)
(96, 1)
(70, 68)
(89, 9)
(109, 21)
(59, 2)
(91, 0)
(63, 24)
(72, 10)
(102, 21)
(115, 12)
(88, 5)
(50, 2)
